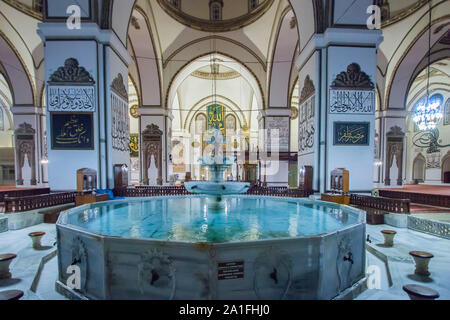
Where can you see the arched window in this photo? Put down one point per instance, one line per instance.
(419, 166)
(200, 124)
(447, 113)
(230, 123)
(2, 119)
(252, 4)
(176, 4)
(215, 10)
(38, 5)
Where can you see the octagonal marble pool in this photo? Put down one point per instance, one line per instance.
(180, 248)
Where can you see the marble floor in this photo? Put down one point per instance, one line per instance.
(395, 264)
(400, 265)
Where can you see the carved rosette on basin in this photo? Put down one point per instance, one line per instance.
(156, 275)
(273, 274)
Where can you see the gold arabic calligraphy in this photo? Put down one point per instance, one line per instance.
(216, 115)
(351, 134)
(73, 132)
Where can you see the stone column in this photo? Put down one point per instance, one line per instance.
(89, 65)
(344, 75)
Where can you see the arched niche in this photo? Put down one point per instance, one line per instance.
(419, 168)
(446, 168)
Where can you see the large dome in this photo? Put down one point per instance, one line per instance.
(196, 14)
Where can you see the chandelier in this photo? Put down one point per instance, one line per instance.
(428, 113)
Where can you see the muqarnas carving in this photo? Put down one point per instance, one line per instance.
(152, 148)
(352, 92)
(25, 146)
(71, 72)
(306, 117)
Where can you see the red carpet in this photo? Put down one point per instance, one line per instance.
(420, 208)
(422, 188)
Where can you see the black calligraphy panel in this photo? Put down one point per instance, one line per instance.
(72, 131)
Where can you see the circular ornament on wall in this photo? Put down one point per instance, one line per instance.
(294, 115)
(134, 111)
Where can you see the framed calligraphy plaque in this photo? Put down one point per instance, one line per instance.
(72, 131)
(71, 98)
(351, 133)
(216, 116)
(352, 101)
(134, 145)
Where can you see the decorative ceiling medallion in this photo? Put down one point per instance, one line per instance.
(294, 114)
(308, 89)
(353, 78)
(216, 76)
(118, 86)
(71, 72)
(215, 26)
(134, 111)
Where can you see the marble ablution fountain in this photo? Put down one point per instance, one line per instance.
(215, 244)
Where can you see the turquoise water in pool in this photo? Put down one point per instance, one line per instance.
(190, 219)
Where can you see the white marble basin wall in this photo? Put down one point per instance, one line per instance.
(318, 267)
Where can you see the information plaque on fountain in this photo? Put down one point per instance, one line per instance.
(230, 270)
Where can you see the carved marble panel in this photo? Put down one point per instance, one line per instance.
(120, 123)
(279, 128)
(306, 126)
(434, 160)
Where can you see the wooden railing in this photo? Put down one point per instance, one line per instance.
(23, 193)
(150, 191)
(279, 192)
(177, 191)
(381, 203)
(21, 204)
(420, 198)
